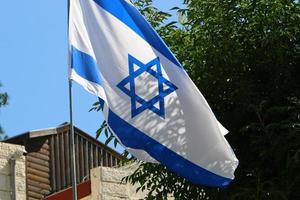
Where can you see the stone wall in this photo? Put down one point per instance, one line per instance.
(8, 151)
(106, 185)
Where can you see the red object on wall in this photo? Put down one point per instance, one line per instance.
(83, 190)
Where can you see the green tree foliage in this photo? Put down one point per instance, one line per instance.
(244, 56)
(3, 102)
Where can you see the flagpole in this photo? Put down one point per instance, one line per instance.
(73, 163)
(72, 146)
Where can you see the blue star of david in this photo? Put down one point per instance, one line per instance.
(165, 87)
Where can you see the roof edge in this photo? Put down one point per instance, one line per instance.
(55, 130)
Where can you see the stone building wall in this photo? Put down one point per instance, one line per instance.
(7, 152)
(106, 185)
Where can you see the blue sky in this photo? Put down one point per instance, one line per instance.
(33, 68)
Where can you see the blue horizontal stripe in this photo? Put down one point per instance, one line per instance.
(134, 138)
(85, 66)
(130, 16)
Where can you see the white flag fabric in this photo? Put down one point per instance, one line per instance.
(150, 103)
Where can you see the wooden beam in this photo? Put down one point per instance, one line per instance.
(38, 166)
(38, 172)
(57, 163)
(38, 184)
(37, 161)
(42, 133)
(40, 156)
(77, 154)
(67, 158)
(52, 163)
(35, 195)
(38, 178)
(62, 160)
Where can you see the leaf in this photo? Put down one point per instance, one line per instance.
(125, 153)
(106, 132)
(116, 143)
(171, 24)
(109, 139)
(97, 103)
(98, 133)
(91, 109)
(175, 8)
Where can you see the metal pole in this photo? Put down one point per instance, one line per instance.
(72, 146)
(73, 163)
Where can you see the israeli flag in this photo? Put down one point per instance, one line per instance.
(151, 104)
